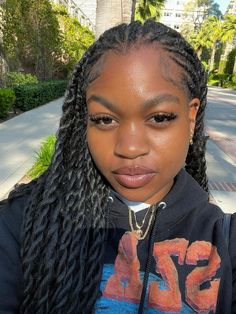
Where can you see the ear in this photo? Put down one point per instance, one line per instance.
(193, 107)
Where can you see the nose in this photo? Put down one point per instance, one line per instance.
(131, 142)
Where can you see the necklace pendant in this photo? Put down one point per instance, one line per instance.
(138, 233)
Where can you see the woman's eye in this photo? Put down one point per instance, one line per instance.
(162, 118)
(102, 121)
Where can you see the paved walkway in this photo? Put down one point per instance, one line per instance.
(21, 136)
(221, 146)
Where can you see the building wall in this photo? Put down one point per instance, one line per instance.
(173, 14)
(75, 9)
(89, 8)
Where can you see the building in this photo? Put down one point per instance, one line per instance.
(174, 14)
(75, 8)
(89, 8)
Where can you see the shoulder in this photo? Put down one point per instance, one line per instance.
(232, 240)
(11, 278)
(232, 253)
(11, 216)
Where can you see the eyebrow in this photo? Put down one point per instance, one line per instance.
(148, 104)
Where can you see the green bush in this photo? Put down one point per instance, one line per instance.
(31, 96)
(223, 80)
(7, 100)
(234, 79)
(229, 66)
(213, 82)
(43, 157)
(14, 79)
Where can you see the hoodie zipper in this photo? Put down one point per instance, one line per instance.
(161, 205)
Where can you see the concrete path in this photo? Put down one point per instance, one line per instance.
(20, 138)
(221, 146)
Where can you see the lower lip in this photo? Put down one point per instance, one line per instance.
(135, 181)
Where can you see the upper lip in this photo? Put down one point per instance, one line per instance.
(133, 170)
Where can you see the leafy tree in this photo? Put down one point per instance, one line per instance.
(195, 13)
(228, 36)
(211, 33)
(74, 40)
(148, 9)
(30, 36)
(229, 28)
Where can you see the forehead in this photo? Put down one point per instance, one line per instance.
(151, 55)
(138, 70)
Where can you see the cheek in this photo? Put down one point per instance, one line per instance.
(171, 147)
(99, 147)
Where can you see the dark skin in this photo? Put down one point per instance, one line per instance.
(138, 117)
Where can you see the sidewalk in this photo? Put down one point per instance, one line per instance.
(21, 136)
(221, 146)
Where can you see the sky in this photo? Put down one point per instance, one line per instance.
(223, 5)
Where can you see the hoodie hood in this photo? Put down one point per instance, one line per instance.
(184, 185)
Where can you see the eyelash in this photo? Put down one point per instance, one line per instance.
(105, 121)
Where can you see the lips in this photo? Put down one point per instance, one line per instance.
(133, 177)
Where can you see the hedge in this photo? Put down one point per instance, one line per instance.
(13, 79)
(7, 100)
(34, 95)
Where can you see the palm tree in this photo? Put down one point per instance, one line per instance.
(210, 35)
(229, 28)
(148, 9)
(112, 12)
(228, 35)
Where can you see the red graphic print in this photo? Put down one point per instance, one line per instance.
(125, 284)
(167, 300)
(202, 301)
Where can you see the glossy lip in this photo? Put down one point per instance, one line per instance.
(133, 177)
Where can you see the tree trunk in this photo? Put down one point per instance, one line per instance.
(199, 52)
(212, 60)
(234, 69)
(133, 10)
(110, 13)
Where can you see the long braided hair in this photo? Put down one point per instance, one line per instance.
(64, 226)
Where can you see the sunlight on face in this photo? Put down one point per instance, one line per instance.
(139, 123)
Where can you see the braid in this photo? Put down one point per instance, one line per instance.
(64, 227)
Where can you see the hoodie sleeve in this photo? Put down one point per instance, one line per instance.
(10, 264)
(232, 252)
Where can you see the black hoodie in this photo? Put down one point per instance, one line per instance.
(182, 266)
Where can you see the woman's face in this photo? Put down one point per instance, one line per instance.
(139, 122)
